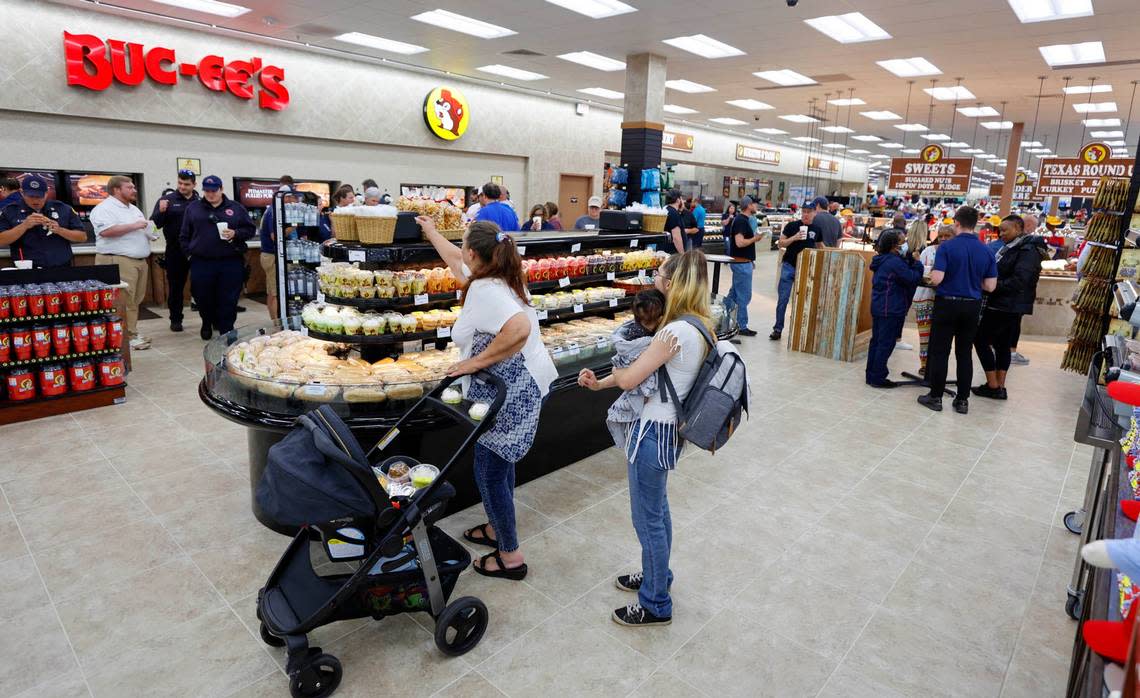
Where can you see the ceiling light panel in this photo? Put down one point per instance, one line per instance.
(858, 151)
(977, 112)
(910, 151)
(910, 128)
(997, 125)
(212, 7)
(1115, 143)
(1107, 134)
(602, 92)
(949, 94)
(785, 77)
(846, 102)
(1047, 10)
(851, 28)
(867, 138)
(833, 146)
(688, 86)
(771, 131)
(881, 115)
(1094, 107)
(892, 146)
(509, 72)
(727, 121)
(880, 156)
(704, 46)
(678, 109)
(1031, 144)
(957, 144)
(936, 137)
(1087, 89)
(1102, 123)
(973, 151)
(593, 60)
(910, 67)
(379, 43)
(799, 118)
(749, 104)
(466, 25)
(597, 9)
(1073, 54)
(837, 129)
(805, 139)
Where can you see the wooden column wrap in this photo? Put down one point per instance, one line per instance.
(831, 304)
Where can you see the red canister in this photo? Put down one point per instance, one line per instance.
(22, 343)
(5, 346)
(21, 384)
(37, 304)
(82, 376)
(19, 302)
(107, 297)
(81, 337)
(114, 332)
(5, 303)
(111, 370)
(61, 339)
(53, 380)
(72, 299)
(91, 298)
(41, 341)
(98, 335)
(53, 300)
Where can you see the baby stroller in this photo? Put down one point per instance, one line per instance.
(320, 479)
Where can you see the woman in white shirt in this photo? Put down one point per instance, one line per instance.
(653, 446)
(497, 331)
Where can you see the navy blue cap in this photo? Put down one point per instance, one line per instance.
(34, 185)
(821, 202)
(212, 183)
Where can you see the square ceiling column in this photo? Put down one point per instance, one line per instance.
(643, 122)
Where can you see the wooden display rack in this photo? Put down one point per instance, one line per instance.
(13, 412)
(831, 304)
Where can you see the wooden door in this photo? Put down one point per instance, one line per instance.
(573, 193)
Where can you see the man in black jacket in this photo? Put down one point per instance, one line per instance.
(1019, 268)
(168, 213)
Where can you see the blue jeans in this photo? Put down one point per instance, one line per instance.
(784, 294)
(740, 295)
(885, 330)
(495, 478)
(649, 505)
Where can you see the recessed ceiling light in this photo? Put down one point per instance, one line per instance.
(595, 8)
(1042, 155)
(1115, 143)
(833, 146)
(688, 86)
(784, 77)
(949, 94)
(749, 104)
(509, 72)
(910, 67)
(727, 121)
(704, 46)
(846, 102)
(1094, 107)
(997, 125)
(1120, 152)
(892, 146)
(1031, 144)
(867, 138)
(1107, 134)
(851, 28)
(1045, 10)
(805, 139)
(936, 136)
(213, 7)
(1073, 54)
(465, 25)
(678, 109)
(837, 129)
(957, 144)
(1038, 150)
(799, 118)
(379, 43)
(771, 131)
(987, 156)
(910, 151)
(602, 92)
(1101, 122)
(973, 151)
(1087, 89)
(881, 115)
(880, 156)
(976, 112)
(910, 128)
(858, 151)
(593, 60)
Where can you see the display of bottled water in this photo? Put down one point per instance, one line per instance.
(300, 281)
(302, 214)
(300, 250)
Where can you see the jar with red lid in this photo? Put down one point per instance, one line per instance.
(91, 297)
(5, 346)
(5, 303)
(81, 337)
(81, 375)
(37, 304)
(53, 380)
(98, 328)
(72, 298)
(114, 332)
(112, 371)
(21, 384)
(61, 339)
(53, 299)
(22, 343)
(107, 296)
(19, 302)
(41, 341)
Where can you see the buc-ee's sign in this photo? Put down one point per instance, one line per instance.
(95, 64)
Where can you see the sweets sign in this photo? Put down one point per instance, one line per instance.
(95, 64)
(1080, 176)
(931, 172)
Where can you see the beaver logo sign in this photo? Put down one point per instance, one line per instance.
(1095, 153)
(932, 153)
(446, 113)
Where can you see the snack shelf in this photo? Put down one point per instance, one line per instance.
(559, 314)
(12, 411)
(442, 334)
(585, 280)
(49, 359)
(529, 246)
(39, 319)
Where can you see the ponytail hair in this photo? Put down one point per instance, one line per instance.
(499, 258)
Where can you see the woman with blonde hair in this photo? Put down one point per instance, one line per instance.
(924, 296)
(653, 447)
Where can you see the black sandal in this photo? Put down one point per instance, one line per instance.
(483, 538)
(513, 573)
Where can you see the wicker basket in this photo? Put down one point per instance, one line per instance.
(452, 234)
(653, 222)
(344, 227)
(376, 231)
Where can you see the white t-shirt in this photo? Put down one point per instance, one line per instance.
(489, 305)
(922, 293)
(683, 368)
(111, 212)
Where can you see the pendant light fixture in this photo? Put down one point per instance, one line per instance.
(1084, 127)
(1036, 112)
(1131, 103)
(1061, 115)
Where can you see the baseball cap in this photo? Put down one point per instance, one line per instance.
(820, 202)
(745, 202)
(212, 183)
(34, 185)
(594, 201)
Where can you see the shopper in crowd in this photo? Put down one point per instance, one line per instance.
(898, 222)
(829, 226)
(917, 234)
(497, 211)
(497, 332)
(693, 239)
(1016, 358)
(700, 214)
(590, 221)
(833, 208)
(653, 446)
(122, 237)
(537, 220)
(1018, 270)
(796, 237)
(267, 233)
(896, 275)
(924, 296)
(729, 213)
(214, 231)
(9, 191)
(742, 246)
(372, 196)
(343, 196)
(552, 215)
(38, 230)
(674, 223)
(963, 269)
(167, 215)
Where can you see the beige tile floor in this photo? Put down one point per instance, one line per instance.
(846, 543)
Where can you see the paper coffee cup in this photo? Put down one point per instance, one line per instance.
(221, 229)
(536, 222)
(23, 263)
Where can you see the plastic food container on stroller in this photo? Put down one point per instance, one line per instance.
(320, 479)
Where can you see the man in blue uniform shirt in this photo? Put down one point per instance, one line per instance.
(496, 210)
(214, 231)
(40, 230)
(168, 213)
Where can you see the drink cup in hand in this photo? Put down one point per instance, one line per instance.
(222, 228)
(803, 232)
(536, 222)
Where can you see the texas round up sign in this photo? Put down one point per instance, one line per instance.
(1080, 175)
(446, 113)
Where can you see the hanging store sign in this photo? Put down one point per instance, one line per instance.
(931, 173)
(1080, 176)
(95, 64)
(446, 113)
(823, 165)
(677, 141)
(750, 153)
(1022, 188)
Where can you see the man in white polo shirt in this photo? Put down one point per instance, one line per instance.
(122, 238)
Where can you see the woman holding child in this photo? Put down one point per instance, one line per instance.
(679, 344)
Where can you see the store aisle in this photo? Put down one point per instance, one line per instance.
(846, 543)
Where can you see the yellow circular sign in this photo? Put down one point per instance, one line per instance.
(1021, 178)
(932, 153)
(1095, 153)
(446, 113)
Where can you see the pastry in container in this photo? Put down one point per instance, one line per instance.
(280, 386)
(372, 325)
(316, 392)
(409, 323)
(404, 283)
(365, 393)
(404, 391)
(352, 324)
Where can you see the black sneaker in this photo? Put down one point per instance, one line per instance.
(206, 333)
(962, 406)
(747, 332)
(774, 336)
(241, 308)
(635, 616)
(930, 402)
(985, 390)
(175, 326)
(629, 582)
(886, 384)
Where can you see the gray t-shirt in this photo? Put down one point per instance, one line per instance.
(584, 221)
(830, 227)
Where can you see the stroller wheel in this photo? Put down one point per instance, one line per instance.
(269, 638)
(461, 626)
(317, 678)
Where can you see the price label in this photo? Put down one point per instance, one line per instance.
(633, 242)
(459, 295)
(356, 255)
(522, 250)
(415, 346)
(420, 299)
(564, 282)
(304, 331)
(320, 296)
(601, 343)
(443, 332)
(577, 307)
(613, 302)
(641, 275)
(542, 315)
(610, 276)
(576, 247)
